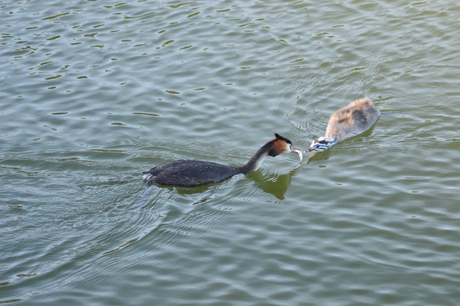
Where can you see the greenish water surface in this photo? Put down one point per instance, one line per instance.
(92, 93)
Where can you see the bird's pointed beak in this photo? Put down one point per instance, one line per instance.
(297, 151)
(312, 148)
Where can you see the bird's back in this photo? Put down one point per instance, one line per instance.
(354, 119)
(189, 173)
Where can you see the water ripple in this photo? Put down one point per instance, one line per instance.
(95, 93)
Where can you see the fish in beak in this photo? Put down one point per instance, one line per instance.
(297, 151)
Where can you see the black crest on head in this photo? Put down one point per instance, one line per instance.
(283, 138)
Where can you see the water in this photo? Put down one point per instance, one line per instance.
(95, 92)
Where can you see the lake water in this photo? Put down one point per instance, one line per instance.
(92, 93)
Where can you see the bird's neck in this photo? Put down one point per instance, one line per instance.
(256, 160)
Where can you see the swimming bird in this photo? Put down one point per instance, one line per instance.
(349, 121)
(194, 172)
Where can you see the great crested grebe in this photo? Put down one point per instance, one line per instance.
(194, 172)
(349, 121)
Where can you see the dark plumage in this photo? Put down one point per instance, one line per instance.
(190, 173)
(194, 172)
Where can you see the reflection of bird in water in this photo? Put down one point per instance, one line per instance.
(349, 121)
(275, 184)
(195, 172)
